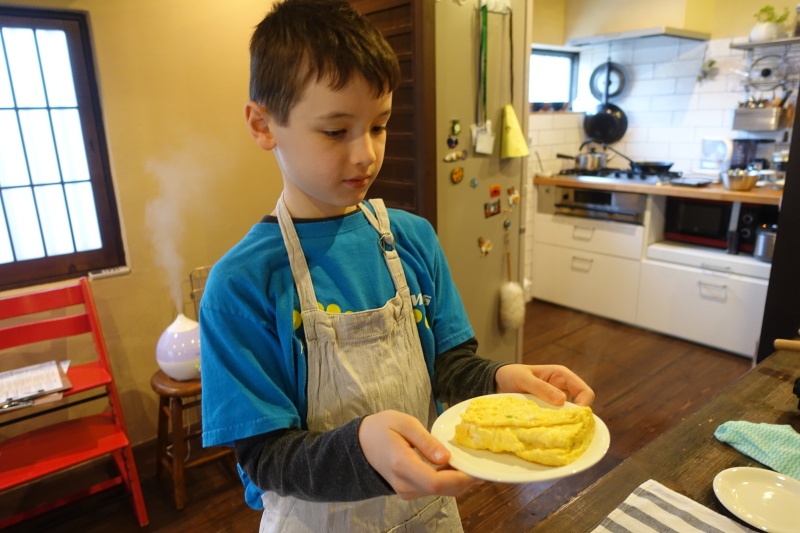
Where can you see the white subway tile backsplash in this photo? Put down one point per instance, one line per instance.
(567, 120)
(683, 165)
(711, 133)
(686, 85)
(692, 49)
(671, 135)
(634, 132)
(654, 54)
(651, 118)
(719, 48)
(643, 71)
(646, 151)
(671, 102)
(634, 103)
(677, 69)
(719, 101)
(704, 118)
(716, 84)
(540, 121)
(684, 150)
(652, 87)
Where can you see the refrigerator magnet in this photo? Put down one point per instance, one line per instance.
(491, 209)
(513, 196)
(473, 183)
(457, 175)
(485, 246)
(455, 156)
(455, 127)
(494, 191)
(452, 142)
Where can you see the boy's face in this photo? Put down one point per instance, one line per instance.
(330, 150)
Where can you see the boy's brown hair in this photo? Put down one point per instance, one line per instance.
(304, 40)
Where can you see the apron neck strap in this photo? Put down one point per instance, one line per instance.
(297, 260)
(380, 221)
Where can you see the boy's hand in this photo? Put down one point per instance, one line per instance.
(552, 383)
(391, 441)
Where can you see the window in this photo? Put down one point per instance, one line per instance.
(58, 213)
(553, 76)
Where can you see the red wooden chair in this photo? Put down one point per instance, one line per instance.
(64, 444)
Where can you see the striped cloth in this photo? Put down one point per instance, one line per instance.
(652, 507)
(774, 445)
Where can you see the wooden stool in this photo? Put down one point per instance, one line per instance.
(170, 409)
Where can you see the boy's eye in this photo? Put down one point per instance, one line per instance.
(333, 133)
(378, 129)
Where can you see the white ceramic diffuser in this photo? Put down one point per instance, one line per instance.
(178, 349)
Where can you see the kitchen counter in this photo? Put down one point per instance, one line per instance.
(713, 191)
(687, 457)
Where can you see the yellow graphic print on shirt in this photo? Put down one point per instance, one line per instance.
(297, 318)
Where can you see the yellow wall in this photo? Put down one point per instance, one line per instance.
(593, 17)
(173, 76)
(734, 18)
(581, 18)
(549, 21)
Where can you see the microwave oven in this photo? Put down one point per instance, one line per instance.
(727, 225)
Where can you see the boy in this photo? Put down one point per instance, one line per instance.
(317, 366)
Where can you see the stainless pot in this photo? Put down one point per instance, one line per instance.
(765, 242)
(589, 161)
(592, 161)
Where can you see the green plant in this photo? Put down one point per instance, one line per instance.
(767, 14)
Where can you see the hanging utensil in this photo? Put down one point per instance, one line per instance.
(608, 123)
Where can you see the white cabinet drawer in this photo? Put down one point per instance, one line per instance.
(716, 309)
(595, 283)
(610, 238)
(708, 259)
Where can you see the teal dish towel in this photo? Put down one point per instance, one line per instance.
(774, 445)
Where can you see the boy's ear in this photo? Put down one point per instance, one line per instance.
(258, 122)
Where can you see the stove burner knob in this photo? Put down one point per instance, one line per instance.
(617, 174)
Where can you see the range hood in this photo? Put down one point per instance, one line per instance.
(658, 31)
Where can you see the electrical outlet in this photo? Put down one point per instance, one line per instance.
(497, 6)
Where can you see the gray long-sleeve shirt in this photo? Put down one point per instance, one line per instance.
(329, 465)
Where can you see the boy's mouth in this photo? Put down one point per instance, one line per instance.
(358, 182)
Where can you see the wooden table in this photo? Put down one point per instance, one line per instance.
(687, 457)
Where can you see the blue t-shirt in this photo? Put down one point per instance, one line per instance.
(253, 364)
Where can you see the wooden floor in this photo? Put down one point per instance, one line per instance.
(644, 382)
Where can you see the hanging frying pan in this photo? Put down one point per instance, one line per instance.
(608, 122)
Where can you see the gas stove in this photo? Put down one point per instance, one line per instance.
(621, 174)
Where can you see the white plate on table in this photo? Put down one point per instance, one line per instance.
(765, 499)
(507, 467)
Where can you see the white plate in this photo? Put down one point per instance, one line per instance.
(765, 499)
(507, 467)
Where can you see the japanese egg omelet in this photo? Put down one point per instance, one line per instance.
(552, 437)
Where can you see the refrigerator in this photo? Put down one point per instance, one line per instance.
(480, 222)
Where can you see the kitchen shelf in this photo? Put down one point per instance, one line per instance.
(788, 41)
(714, 191)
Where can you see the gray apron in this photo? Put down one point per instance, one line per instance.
(360, 363)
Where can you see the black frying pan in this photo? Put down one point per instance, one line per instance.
(608, 122)
(648, 168)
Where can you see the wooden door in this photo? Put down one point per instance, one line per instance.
(408, 178)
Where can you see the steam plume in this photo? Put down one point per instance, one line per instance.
(183, 177)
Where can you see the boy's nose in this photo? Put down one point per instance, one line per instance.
(364, 154)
